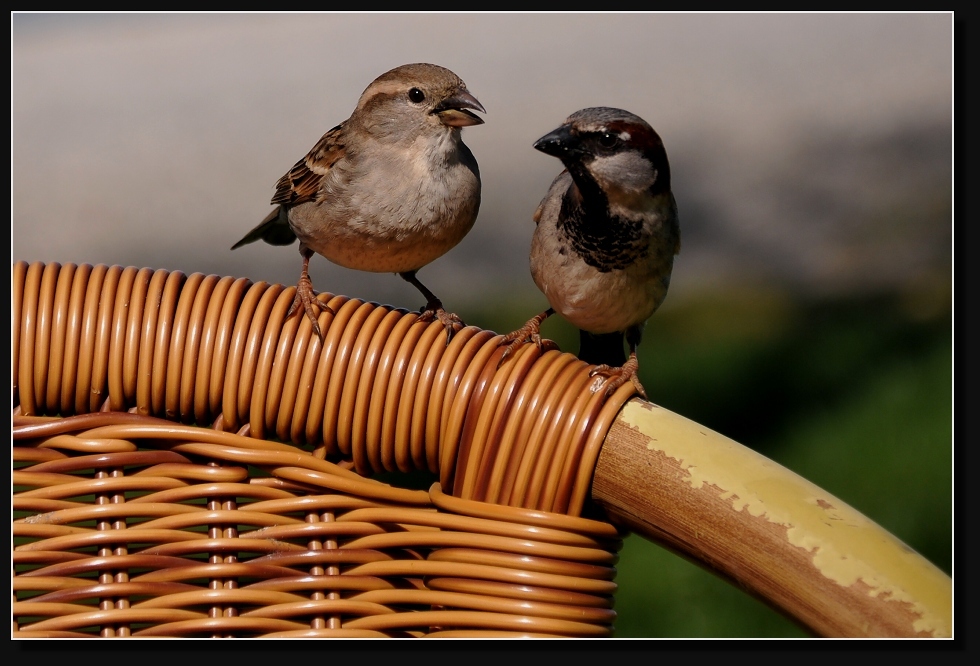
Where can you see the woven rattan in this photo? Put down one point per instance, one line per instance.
(188, 462)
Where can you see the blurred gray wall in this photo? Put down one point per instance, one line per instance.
(811, 151)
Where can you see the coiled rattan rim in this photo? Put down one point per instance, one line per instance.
(383, 391)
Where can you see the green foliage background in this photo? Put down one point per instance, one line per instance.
(854, 395)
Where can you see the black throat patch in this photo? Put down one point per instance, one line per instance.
(604, 241)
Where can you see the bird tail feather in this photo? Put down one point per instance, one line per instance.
(274, 230)
(599, 349)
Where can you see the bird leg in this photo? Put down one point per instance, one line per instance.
(433, 308)
(305, 294)
(529, 332)
(626, 372)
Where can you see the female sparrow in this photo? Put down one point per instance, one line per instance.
(390, 189)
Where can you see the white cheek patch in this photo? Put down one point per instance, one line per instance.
(628, 171)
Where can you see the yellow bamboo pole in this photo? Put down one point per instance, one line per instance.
(772, 532)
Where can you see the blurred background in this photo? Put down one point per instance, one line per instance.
(809, 316)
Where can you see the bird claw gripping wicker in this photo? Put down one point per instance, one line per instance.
(189, 462)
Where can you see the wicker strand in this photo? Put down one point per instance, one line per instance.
(383, 390)
(131, 525)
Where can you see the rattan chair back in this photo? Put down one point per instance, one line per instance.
(188, 462)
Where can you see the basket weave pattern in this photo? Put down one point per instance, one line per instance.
(151, 498)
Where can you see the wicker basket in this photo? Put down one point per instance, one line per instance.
(187, 462)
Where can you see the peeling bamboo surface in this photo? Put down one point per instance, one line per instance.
(762, 526)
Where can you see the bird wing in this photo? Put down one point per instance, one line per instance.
(537, 213)
(301, 183)
(556, 189)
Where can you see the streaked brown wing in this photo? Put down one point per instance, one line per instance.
(300, 184)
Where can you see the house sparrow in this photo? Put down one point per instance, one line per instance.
(390, 189)
(606, 237)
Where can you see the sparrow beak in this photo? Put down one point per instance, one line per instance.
(560, 143)
(452, 111)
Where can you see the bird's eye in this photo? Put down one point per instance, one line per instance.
(416, 95)
(608, 140)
